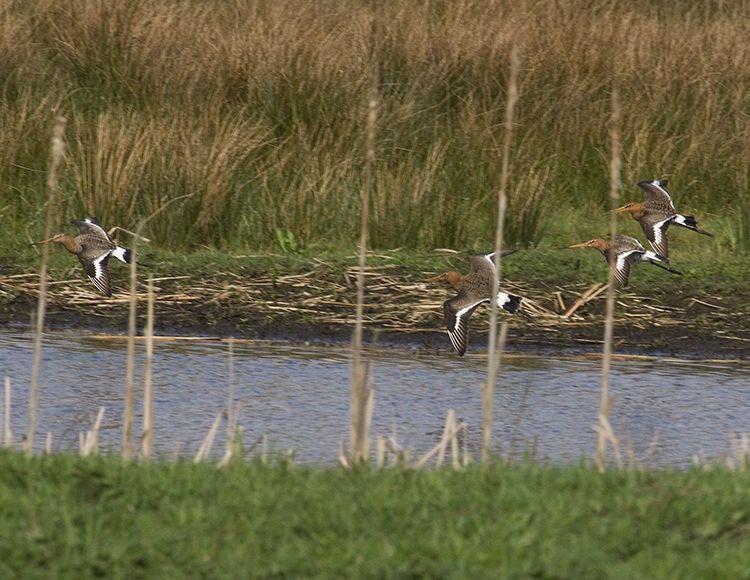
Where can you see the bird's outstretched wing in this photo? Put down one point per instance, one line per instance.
(657, 194)
(655, 230)
(622, 266)
(90, 226)
(98, 272)
(457, 312)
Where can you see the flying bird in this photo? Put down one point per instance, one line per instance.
(93, 247)
(656, 214)
(627, 251)
(473, 289)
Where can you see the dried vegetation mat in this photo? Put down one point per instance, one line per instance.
(322, 300)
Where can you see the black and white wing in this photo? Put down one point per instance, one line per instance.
(622, 265)
(98, 272)
(457, 312)
(655, 229)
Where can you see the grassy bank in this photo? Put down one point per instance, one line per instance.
(69, 517)
(240, 124)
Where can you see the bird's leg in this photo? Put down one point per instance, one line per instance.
(667, 268)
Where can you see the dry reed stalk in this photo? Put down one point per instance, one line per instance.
(588, 295)
(604, 431)
(380, 450)
(53, 185)
(450, 432)
(90, 443)
(739, 445)
(231, 412)
(148, 385)
(494, 349)
(48, 443)
(127, 422)
(208, 441)
(361, 386)
(488, 395)
(448, 427)
(7, 432)
(343, 456)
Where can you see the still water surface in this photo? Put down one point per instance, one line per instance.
(298, 396)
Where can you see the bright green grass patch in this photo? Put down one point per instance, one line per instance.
(709, 265)
(69, 517)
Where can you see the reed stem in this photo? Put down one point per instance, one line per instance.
(360, 397)
(127, 424)
(7, 432)
(494, 354)
(604, 431)
(53, 186)
(230, 444)
(148, 385)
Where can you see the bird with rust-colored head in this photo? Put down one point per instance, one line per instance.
(93, 247)
(474, 289)
(623, 253)
(656, 213)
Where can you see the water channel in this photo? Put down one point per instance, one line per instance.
(665, 411)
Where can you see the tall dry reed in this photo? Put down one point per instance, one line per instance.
(361, 399)
(53, 185)
(249, 114)
(147, 438)
(604, 430)
(495, 346)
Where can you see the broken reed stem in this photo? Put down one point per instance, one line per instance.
(450, 432)
(493, 358)
(604, 432)
(7, 433)
(205, 449)
(53, 185)
(360, 397)
(127, 422)
(148, 385)
(90, 443)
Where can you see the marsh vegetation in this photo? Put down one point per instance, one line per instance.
(243, 122)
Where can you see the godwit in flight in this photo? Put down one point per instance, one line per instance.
(93, 247)
(655, 215)
(627, 251)
(473, 289)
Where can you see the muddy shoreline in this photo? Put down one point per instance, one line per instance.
(318, 308)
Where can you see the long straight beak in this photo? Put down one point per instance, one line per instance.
(434, 278)
(42, 242)
(581, 245)
(620, 209)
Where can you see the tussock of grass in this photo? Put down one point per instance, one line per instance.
(65, 516)
(245, 119)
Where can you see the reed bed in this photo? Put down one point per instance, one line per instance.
(245, 117)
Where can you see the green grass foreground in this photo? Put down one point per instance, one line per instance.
(69, 517)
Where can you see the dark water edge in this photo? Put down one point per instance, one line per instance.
(699, 342)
